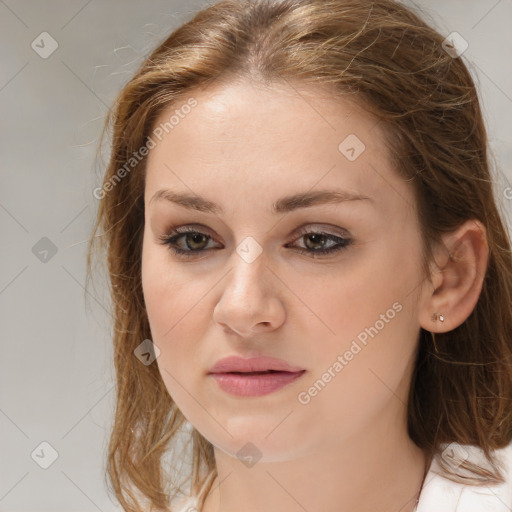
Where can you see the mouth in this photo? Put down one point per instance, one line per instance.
(261, 364)
(258, 373)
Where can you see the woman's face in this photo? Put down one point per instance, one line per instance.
(254, 282)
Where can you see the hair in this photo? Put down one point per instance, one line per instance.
(388, 60)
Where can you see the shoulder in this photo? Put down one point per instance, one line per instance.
(444, 495)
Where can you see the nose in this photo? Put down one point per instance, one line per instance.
(250, 301)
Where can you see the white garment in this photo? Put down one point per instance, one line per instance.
(440, 494)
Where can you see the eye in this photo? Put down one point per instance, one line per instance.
(188, 242)
(320, 243)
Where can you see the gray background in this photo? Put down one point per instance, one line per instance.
(56, 380)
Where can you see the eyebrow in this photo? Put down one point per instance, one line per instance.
(283, 205)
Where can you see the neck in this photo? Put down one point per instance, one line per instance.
(366, 472)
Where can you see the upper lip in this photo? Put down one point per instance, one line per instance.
(252, 364)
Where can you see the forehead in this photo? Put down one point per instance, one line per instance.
(261, 141)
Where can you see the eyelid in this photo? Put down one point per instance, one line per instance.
(320, 228)
(187, 228)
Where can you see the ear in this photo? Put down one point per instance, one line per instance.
(457, 277)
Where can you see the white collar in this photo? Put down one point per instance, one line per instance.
(440, 494)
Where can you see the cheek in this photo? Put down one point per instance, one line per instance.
(372, 323)
(170, 295)
(351, 302)
(357, 377)
(174, 307)
(174, 313)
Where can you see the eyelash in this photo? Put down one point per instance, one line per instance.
(171, 238)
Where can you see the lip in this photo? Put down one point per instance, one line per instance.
(252, 364)
(235, 375)
(254, 384)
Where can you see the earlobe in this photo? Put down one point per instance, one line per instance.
(457, 278)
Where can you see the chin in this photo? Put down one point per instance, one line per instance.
(253, 440)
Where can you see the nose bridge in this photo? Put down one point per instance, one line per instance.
(248, 298)
(248, 279)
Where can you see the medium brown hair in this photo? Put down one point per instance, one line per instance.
(385, 57)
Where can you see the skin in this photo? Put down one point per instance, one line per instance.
(243, 147)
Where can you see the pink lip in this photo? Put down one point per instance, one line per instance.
(254, 384)
(236, 376)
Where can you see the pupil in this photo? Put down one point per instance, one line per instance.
(316, 237)
(196, 238)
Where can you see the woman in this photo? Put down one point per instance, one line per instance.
(308, 268)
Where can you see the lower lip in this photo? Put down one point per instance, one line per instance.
(260, 384)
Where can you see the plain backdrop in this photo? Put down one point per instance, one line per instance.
(56, 379)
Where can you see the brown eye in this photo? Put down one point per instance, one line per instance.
(320, 243)
(317, 241)
(186, 241)
(196, 241)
